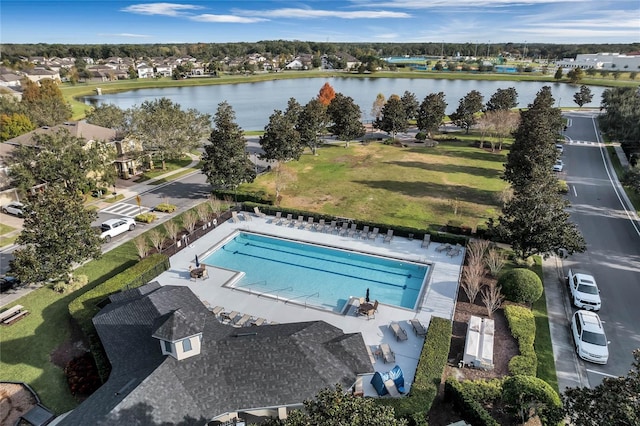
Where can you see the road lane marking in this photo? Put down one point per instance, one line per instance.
(575, 193)
(631, 217)
(602, 374)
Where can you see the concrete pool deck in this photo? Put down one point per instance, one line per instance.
(437, 299)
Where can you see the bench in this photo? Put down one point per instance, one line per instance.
(13, 314)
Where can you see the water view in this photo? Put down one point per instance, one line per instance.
(255, 102)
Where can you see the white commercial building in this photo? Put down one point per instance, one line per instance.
(602, 61)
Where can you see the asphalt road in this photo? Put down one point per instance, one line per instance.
(613, 244)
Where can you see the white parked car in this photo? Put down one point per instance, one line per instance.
(115, 227)
(560, 148)
(585, 293)
(559, 166)
(15, 208)
(589, 338)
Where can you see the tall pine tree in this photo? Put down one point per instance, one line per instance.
(534, 220)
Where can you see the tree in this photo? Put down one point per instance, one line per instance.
(394, 118)
(225, 161)
(326, 94)
(334, 407)
(534, 220)
(526, 396)
(311, 123)
(166, 130)
(111, 117)
(378, 104)
(280, 142)
(62, 159)
(44, 103)
(558, 74)
(345, 115)
(501, 124)
(56, 235)
(503, 99)
(582, 96)
(615, 401)
(464, 116)
(12, 125)
(410, 104)
(575, 75)
(431, 113)
(621, 116)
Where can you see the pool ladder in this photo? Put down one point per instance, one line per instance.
(316, 294)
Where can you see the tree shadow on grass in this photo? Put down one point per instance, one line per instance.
(476, 155)
(430, 189)
(449, 168)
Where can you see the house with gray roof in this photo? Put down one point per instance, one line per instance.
(174, 363)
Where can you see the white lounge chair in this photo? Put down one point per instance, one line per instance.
(228, 317)
(217, 311)
(364, 234)
(243, 320)
(309, 225)
(287, 221)
(234, 217)
(258, 213)
(343, 229)
(329, 228)
(418, 328)
(277, 218)
(353, 230)
(398, 331)
(426, 240)
(320, 226)
(258, 321)
(455, 250)
(387, 353)
(374, 234)
(389, 236)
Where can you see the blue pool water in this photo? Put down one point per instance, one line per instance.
(316, 275)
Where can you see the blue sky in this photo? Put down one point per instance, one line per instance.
(219, 21)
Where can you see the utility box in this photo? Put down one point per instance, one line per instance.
(478, 348)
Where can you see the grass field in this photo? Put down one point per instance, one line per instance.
(414, 186)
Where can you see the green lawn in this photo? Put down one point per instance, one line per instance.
(412, 186)
(634, 197)
(27, 345)
(544, 350)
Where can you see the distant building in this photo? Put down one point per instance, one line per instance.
(602, 61)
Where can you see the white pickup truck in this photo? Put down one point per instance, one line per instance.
(115, 227)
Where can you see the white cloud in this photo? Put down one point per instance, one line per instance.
(231, 19)
(124, 35)
(431, 4)
(315, 13)
(166, 9)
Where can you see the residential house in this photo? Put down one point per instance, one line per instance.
(9, 79)
(38, 74)
(296, 64)
(173, 362)
(144, 70)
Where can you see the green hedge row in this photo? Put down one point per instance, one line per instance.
(87, 305)
(466, 403)
(424, 389)
(400, 231)
(259, 197)
(523, 328)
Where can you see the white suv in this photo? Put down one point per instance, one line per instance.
(584, 290)
(15, 208)
(589, 338)
(113, 227)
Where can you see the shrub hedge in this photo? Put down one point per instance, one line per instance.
(523, 393)
(521, 285)
(466, 404)
(165, 208)
(146, 217)
(87, 305)
(259, 197)
(433, 359)
(523, 328)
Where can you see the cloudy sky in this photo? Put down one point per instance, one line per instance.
(473, 21)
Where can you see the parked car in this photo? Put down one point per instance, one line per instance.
(8, 282)
(559, 166)
(560, 148)
(585, 293)
(589, 337)
(15, 208)
(114, 227)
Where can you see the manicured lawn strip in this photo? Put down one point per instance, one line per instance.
(175, 176)
(5, 229)
(546, 369)
(415, 186)
(28, 344)
(170, 165)
(634, 197)
(5, 241)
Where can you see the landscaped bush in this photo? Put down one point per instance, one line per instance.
(240, 196)
(87, 305)
(563, 187)
(525, 395)
(433, 359)
(523, 328)
(521, 285)
(146, 217)
(464, 401)
(82, 376)
(165, 208)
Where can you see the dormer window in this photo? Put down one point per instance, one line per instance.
(186, 345)
(168, 347)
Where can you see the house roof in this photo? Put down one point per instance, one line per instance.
(79, 129)
(237, 368)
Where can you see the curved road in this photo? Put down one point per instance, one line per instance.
(612, 233)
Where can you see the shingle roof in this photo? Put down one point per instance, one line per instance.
(237, 369)
(79, 129)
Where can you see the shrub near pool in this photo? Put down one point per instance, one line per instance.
(521, 285)
(523, 328)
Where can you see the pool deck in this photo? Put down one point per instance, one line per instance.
(437, 299)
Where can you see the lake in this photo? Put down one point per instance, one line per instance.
(253, 103)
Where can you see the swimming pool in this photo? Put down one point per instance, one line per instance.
(320, 276)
